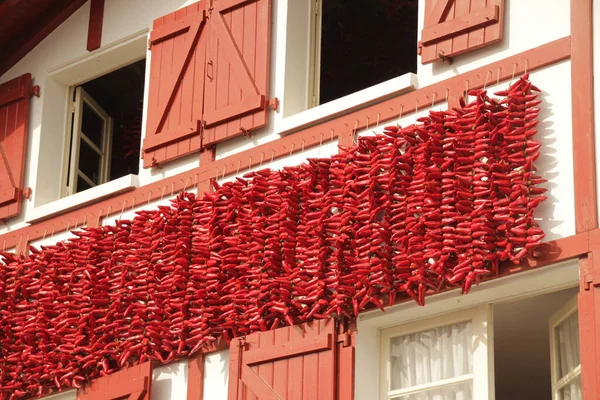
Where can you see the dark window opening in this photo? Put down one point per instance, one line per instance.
(121, 94)
(365, 42)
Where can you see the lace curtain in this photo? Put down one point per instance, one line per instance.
(431, 356)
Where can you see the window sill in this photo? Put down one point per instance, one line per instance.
(344, 105)
(93, 195)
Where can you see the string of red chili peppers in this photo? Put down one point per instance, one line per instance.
(416, 209)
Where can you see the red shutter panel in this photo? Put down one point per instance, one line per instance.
(301, 362)
(131, 383)
(14, 118)
(453, 27)
(175, 99)
(237, 68)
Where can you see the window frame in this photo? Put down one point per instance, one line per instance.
(560, 316)
(81, 98)
(483, 348)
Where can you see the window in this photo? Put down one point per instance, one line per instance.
(564, 353)
(356, 44)
(441, 358)
(105, 129)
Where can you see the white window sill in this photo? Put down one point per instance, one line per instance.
(77, 200)
(344, 105)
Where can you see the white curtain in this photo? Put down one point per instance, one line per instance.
(431, 356)
(567, 337)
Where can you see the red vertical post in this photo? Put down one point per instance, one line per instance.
(95, 27)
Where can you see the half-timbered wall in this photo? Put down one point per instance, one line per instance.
(55, 63)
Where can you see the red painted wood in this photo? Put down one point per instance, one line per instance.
(133, 383)
(14, 119)
(453, 27)
(589, 325)
(237, 69)
(346, 361)
(297, 362)
(175, 101)
(195, 380)
(95, 27)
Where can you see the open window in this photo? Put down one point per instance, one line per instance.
(105, 130)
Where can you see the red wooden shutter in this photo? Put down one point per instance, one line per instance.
(14, 118)
(304, 362)
(131, 383)
(237, 68)
(175, 100)
(453, 27)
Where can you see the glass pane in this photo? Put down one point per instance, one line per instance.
(92, 125)
(459, 391)
(82, 185)
(89, 162)
(431, 356)
(567, 342)
(572, 391)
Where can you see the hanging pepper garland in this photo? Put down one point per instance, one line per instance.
(411, 211)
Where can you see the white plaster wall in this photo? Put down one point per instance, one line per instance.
(216, 375)
(169, 382)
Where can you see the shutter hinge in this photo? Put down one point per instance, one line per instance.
(444, 58)
(27, 193)
(591, 279)
(149, 44)
(35, 91)
(420, 48)
(317, 7)
(344, 338)
(73, 106)
(273, 104)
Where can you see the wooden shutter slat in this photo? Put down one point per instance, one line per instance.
(441, 8)
(461, 24)
(175, 101)
(453, 27)
(14, 118)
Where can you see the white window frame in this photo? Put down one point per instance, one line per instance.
(560, 316)
(82, 98)
(314, 69)
(482, 347)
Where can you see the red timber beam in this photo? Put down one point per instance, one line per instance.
(94, 38)
(586, 200)
(340, 125)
